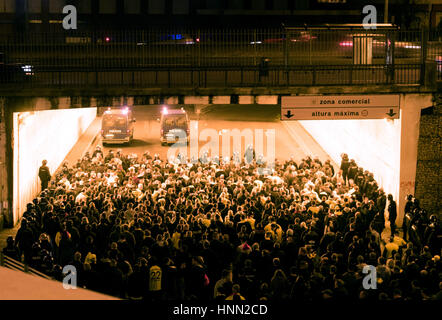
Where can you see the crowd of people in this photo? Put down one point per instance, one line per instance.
(145, 228)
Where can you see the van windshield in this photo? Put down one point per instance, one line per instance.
(175, 120)
(114, 120)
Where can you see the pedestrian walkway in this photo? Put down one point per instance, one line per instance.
(84, 144)
(386, 235)
(21, 286)
(5, 233)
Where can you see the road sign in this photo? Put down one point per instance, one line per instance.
(340, 107)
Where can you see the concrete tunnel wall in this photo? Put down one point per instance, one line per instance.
(357, 138)
(42, 135)
(386, 148)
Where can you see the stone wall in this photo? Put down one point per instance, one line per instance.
(429, 170)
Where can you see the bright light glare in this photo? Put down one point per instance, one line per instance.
(165, 110)
(346, 44)
(26, 118)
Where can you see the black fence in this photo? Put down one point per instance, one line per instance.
(228, 57)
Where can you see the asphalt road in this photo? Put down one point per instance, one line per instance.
(147, 132)
(243, 55)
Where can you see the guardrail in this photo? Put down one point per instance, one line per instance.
(13, 264)
(220, 57)
(205, 77)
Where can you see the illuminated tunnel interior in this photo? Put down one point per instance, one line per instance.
(42, 135)
(356, 138)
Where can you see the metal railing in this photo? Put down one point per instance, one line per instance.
(13, 264)
(222, 57)
(208, 47)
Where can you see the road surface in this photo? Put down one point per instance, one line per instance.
(287, 143)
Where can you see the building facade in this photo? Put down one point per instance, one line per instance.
(46, 15)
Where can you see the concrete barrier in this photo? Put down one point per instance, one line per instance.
(221, 100)
(196, 100)
(21, 286)
(267, 99)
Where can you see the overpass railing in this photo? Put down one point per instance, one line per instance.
(217, 47)
(205, 77)
(200, 57)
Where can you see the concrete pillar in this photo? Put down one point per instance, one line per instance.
(6, 160)
(411, 106)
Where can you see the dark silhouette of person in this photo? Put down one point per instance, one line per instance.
(392, 214)
(44, 175)
(409, 206)
(345, 164)
(263, 68)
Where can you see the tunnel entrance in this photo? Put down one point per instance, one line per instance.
(386, 146)
(373, 144)
(379, 132)
(366, 127)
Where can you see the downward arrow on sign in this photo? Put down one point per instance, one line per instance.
(391, 113)
(289, 114)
